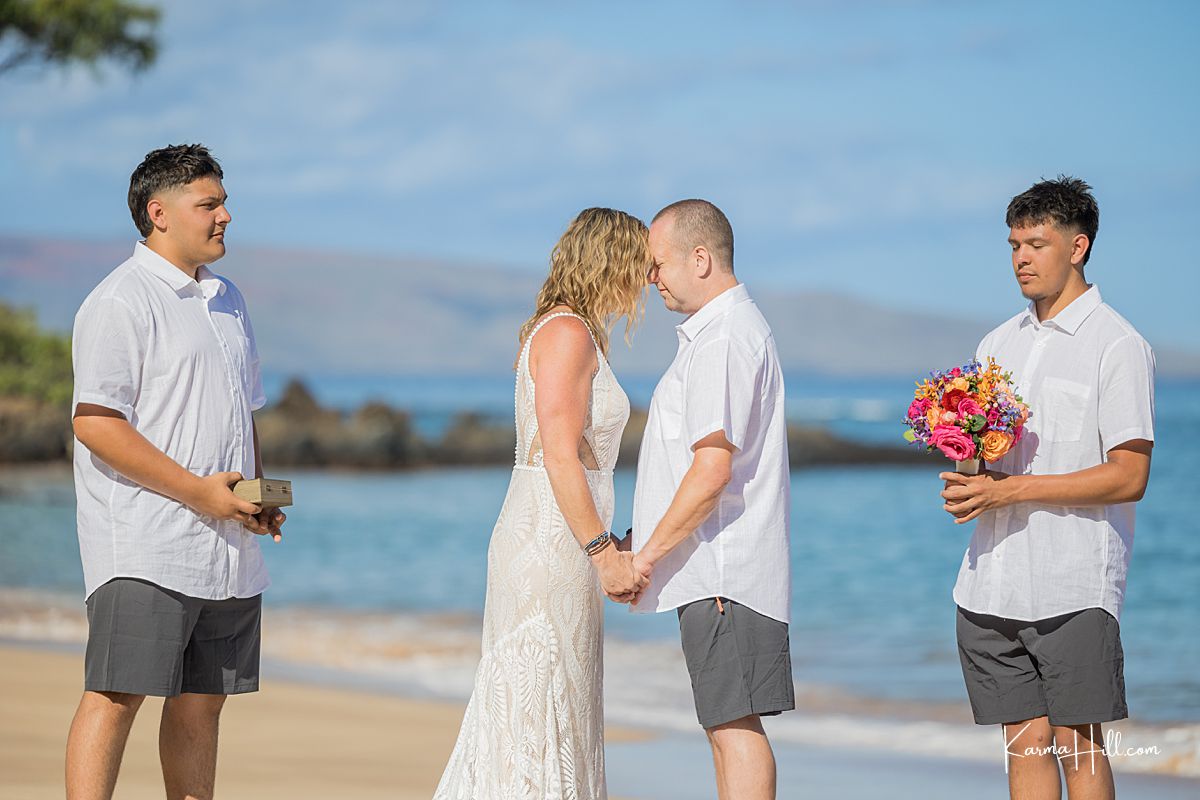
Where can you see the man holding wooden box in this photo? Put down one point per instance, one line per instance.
(166, 378)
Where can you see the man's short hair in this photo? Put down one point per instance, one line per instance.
(167, 168)
(698, 223)
(1065, 201)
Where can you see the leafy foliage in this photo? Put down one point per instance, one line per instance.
(33, 363)
(83, 31)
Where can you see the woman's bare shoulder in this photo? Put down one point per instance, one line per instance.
(565, 339)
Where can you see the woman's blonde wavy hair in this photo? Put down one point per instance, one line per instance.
(598, 269)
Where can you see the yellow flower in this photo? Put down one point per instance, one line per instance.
(962, 384)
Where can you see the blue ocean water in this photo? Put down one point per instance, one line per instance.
(874, 557)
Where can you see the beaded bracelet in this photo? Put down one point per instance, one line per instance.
(599, 543)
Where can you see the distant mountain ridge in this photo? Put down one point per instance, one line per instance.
(318, 311)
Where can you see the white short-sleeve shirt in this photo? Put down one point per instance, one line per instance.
(177, 358)
(725, 377)
(1088, 379)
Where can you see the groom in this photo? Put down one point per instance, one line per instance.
(711, 505)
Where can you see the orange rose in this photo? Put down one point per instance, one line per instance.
(994, 445)
(961, 384)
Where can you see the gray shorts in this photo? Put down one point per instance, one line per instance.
(1070, 668)
(144, 639)
(739, 661)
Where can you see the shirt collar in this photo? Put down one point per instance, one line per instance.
(174, 277)
(1070, 318)
(210, 283)
(714, 308)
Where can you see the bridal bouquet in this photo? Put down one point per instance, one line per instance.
(969, 413)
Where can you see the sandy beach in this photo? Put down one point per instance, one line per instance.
(285, 742)
(300, 740)
(290, 740)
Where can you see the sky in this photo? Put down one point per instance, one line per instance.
(863, 147)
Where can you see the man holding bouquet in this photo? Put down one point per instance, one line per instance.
(1043, 579)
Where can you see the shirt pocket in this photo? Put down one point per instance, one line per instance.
(1063, 408)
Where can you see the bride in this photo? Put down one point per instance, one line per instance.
(534, 727)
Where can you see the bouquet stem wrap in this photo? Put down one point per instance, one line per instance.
(972, 466)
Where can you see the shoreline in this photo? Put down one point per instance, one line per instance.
(431, 658)
(295, 739)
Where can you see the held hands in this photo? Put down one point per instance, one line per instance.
(621, 582)
(214, 497)
(641, 564)
(968, 496)
(643, 567)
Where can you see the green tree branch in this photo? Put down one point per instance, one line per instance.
(83, 31)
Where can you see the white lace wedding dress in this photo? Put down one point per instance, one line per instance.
(534, 727)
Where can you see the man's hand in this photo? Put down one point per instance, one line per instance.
(644, 567)
(214, 497)
(617, 577)
(272, 520)
(968, 496)
(640, 568)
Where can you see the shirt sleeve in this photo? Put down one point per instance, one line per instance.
(1126, 401)
(722, 390)
(108, 350)
(258, 395)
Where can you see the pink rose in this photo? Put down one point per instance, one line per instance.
(919, 408)
(947, 418)
(968, 408)
(953, 441)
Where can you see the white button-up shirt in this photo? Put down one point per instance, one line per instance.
(725, 377)
(177, 358)
(1088, 379)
